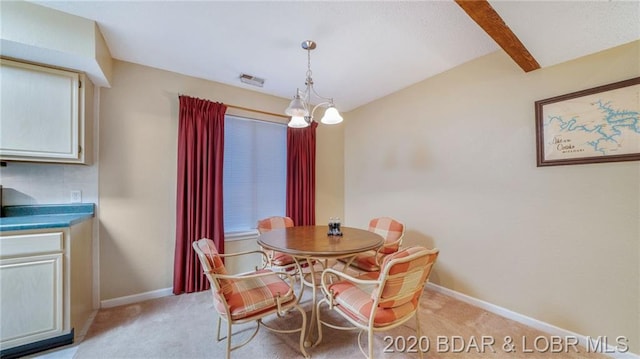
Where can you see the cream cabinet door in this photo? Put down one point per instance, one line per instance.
(31, 293)
(41, 113)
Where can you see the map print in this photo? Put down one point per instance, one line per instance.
(602, 124)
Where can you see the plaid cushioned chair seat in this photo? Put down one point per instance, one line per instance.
(357, 303)
(367, 261)
(247, 297)
(392, 231)
(281, 259)
(264, 225)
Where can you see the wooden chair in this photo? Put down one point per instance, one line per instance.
(247, 297)
(392, 231)
(378, 301)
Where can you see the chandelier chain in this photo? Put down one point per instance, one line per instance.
(309, 81)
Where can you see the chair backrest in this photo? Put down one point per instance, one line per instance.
(267, 224)
(390, 229)
(210, 261)
(403, 276)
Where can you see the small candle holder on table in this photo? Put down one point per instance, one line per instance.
(334, 227)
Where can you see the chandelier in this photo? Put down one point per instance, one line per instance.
(300, 107)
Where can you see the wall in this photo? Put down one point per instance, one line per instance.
(138, 141)
(46, 183)
(454, 157)
(330, 171)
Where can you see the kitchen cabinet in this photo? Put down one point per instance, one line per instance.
(31, 283)
(44, 115)
(46, 286)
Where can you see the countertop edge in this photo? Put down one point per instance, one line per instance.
(46, 216)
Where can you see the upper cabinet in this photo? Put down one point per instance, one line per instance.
(44, 115)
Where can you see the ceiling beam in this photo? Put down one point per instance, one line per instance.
(484, 15)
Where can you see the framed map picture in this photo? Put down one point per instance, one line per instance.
(601, 124)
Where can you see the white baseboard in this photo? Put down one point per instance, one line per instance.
(130, 299)
(610, 351)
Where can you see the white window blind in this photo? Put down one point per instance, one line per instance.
(255, 172)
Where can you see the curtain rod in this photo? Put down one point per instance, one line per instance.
(250, 109)
(256, 111)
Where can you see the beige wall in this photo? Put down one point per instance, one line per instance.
(330, 171)
(138, 144)
(454, 158)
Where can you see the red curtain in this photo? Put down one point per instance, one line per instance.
(301, 174)
(199, 192)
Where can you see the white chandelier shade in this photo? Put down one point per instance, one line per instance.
(297, 107)
(331, 116)
(298, 122)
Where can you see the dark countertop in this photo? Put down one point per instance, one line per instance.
(17, 218)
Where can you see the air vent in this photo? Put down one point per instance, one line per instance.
(251, 80)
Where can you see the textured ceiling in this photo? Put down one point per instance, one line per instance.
(365, 51)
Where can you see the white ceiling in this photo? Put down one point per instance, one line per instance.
(366, 50)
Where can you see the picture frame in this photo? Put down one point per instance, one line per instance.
(600, 124)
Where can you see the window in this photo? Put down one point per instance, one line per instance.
(255, 172)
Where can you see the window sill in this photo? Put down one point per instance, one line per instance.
(241, 236)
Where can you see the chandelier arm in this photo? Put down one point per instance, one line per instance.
(318, 105)
(305, 96)
(328, 99)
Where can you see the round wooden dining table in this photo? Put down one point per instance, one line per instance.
(308, 243)
(314, 241)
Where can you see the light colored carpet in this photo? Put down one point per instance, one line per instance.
(184, 326)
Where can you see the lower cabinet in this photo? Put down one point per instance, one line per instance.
(34, 309)
(45, 288)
